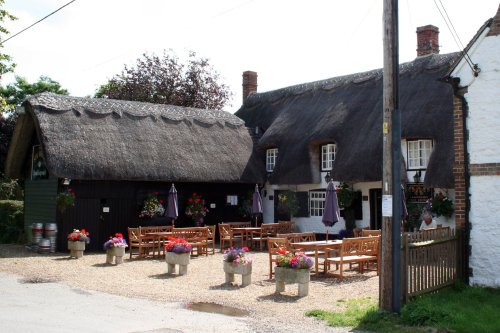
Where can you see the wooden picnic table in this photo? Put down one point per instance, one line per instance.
(245, 232)
(319, 248)
(158, 236)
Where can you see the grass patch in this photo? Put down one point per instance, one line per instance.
(458, 309)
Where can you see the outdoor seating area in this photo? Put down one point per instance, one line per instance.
(149, 242)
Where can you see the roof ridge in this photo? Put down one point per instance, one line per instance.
(433, 61)
(104, 106)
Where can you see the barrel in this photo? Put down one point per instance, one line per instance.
(51, 234)
(44, 245)
(37, 232)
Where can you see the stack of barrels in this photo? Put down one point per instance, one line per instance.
(37, 231)
(47, 244)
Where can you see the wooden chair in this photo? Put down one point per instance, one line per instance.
(239, 224)
(359, 250)
(357, 231)
(197, 236)
(285, 227)
(266, 230)
(273, 245)
(370, 233)
(142, 243)
(211, 237)
(226, 234)
(298, 237)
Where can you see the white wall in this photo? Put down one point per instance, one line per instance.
(483, 97)
(483, 123)
(314, 223)
(485, 233)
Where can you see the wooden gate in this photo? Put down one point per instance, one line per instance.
(430, 261)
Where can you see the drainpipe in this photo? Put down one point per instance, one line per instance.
(467, 247)
(460, 92)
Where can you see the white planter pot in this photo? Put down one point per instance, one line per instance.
(181, 259)
(244, 270)
(76, 249)
(285, 275)
(116, 251)
(116, 254)
(77, 246)
(237, 268)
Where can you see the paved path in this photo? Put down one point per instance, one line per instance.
(56, 307)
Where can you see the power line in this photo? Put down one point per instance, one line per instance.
(40, 20)
(455, 36)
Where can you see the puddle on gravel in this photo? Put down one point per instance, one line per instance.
(216, 308)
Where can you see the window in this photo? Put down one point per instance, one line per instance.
(328, 156)
(271, 157)
(232, 200)
(317, 202)
(419, 152)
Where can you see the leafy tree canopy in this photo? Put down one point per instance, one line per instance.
(15, 93)
(6, 64)
(165, 80)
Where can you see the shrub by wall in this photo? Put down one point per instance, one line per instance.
(11, 221)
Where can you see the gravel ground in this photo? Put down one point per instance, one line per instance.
(147, 278)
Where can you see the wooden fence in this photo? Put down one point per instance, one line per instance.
(430, 261)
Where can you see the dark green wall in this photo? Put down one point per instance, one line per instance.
(40, 203)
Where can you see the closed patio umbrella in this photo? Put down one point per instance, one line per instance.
(172, 204)
(331, 213)
(256, 203)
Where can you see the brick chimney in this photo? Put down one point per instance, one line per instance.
(495, 25)
(427, 40)
(249, 83)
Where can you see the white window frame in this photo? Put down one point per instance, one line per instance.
(418, 153)
(317, 203)
(328, 153)
(271, 158)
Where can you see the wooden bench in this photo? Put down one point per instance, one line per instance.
(196, 236)
(359, 250)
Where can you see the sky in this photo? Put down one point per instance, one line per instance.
(286, 42)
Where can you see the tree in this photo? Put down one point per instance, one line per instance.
(6, 64)
(165, 80)
(15, 93)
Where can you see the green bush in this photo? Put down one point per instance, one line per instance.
(11, 221)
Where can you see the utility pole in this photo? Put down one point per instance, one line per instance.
(390, 276)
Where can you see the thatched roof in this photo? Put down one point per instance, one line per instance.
(347, 110)
(86, 138)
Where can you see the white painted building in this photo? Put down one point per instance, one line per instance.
(480, 89)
